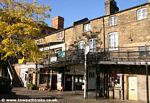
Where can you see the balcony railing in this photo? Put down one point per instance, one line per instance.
(130, 54)
(65, 58)
(124, 54)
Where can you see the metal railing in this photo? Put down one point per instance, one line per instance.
(123, 54)
(130, 54)
(69, 57)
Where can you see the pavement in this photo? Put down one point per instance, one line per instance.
(23, 95)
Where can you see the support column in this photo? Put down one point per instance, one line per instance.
(107, 80)
(51, 77)
(85, 70)
(147, 83)
(104, 82)
(123, 86)
(38, 77)
(34, 79)
(146, 69)
(72, 82)
(85, 78)
(0, 72)
(97, 81)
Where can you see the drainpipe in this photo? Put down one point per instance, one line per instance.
(63, 85)
(104, 34)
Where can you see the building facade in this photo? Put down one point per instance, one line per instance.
(118, 58)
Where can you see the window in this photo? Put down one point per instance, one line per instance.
(113, 40)
(142, 13)
(113, 21)
(92, 44)
(59, 36)
(81, 45)
(87, 27)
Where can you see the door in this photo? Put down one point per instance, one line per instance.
(68, 82)
(54, 82)
(132, 88)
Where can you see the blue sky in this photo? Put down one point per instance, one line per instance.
(73, 10)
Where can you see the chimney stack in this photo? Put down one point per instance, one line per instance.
(107, 7)
(58, 22)
(111, 7)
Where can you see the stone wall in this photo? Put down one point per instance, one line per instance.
(132, 32)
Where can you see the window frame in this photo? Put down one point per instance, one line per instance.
(86, 27)
(79, 44)
(141, 13)
(59, 36)
(112, 20)
(93, 47)
(113, 40)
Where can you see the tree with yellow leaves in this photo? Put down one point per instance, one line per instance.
(20, 23)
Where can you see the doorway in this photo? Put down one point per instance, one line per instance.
(68, 82)
(132, 88)
(54, 82)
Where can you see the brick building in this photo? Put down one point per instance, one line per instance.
(26, 72)
(118, 59)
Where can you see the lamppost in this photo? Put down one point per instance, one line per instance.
(86, 50)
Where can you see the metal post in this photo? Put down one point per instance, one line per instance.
(147, 83)
(96, 81)
(85, 78)
(51, 75)
(123, 86)
(36, 67)
(86, 50)
(107, 87)
(50, 71)
(113, 89)
(97, 75)
(104, 81)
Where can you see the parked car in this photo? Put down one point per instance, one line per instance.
(5, 85)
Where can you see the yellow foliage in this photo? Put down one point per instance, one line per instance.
(19, 26)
